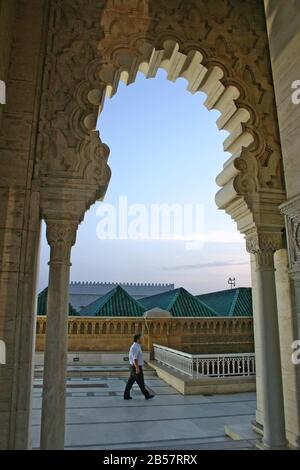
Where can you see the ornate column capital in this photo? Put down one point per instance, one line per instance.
(263, 240)
(61, 236)
(263, 245)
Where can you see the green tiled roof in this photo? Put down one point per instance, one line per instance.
(42, 304)
(179, 302)
(231, 302)
(116, 303)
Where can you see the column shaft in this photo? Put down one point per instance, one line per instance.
(54, 382)
(269, 357)
(288, 334)
(257, 338)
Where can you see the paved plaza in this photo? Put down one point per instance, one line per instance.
(97, 417)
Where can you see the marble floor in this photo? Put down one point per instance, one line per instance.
(97, 417)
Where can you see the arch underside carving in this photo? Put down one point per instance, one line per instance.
(210, 44)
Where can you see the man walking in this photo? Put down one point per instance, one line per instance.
(136, 369)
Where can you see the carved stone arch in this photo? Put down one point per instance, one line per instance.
(225, 92)
(93, 45)
(226, 40)
(210, 73)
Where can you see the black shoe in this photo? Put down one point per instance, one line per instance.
(127, 398)
(149, 397)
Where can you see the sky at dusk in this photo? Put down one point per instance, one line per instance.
(165, 150)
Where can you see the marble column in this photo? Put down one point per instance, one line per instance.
(19, 247)
(288, 334)
(291, 210)
(61, 237)
(263, 246)
(258, 424)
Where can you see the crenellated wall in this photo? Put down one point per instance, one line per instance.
(196, 335)
(82, 294)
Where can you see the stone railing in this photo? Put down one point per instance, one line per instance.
(206, 365)
(192, 335)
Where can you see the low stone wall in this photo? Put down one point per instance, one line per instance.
(205, 385)
(192, 335)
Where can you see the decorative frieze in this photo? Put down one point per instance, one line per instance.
(115, 334)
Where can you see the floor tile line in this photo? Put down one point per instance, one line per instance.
(196, 439)
(145, 420)
(116, 405)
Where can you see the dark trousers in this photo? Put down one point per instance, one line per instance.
(139, 379)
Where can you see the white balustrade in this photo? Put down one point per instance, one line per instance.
(209, 365)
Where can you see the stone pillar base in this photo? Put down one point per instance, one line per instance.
(263, 446)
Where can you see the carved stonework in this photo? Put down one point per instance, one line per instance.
(263, 245)
(219, 46)
(69, 151)
(61, 236)
(263, 241)
(224, 37)
(291, 210)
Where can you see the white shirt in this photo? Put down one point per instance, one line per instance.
(135, 352)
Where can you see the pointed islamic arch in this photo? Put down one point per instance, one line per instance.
(210, 44)
(223, 94)
(223, 97)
